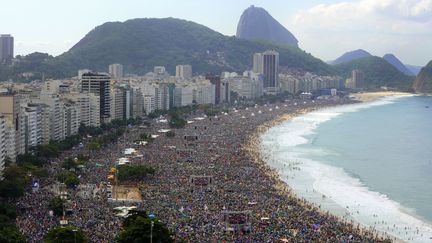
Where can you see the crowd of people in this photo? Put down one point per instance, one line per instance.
(197, 182)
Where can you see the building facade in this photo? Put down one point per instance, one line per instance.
(116, 71)
(6, 48)
(99, 84)
(184, 71)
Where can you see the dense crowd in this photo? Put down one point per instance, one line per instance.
(229, 176)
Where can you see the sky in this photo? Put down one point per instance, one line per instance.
(326, 29)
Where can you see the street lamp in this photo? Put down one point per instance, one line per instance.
(151, 232)
(74, 230)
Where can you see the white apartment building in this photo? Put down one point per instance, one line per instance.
(56, 114)
(149, 104)
(72, 118)
(89, 105)
(184, 71)
(31, 126)
(204, 93)
(116, 71)
(183, 96)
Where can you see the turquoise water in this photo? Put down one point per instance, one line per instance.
(388, 147)
(372, 161)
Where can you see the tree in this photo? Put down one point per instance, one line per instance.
(134, 172)
(11, 234)
(68, 234)
(56, 204)
(69, 178)
(8, 210)
(177, 121)
(170, 134)
(69, 163)
(15, 179)
(138, 228)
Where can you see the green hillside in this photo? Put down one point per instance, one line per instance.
(140, 44)
(377, 72)
(423, 82)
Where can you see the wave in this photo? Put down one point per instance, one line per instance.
(281, 146)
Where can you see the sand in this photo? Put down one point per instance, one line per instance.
(372, 96)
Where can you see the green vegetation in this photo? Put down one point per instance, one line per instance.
(177, 121)
(106, 139)
(138, 227)
(377, 72)
(56, 204)
(15, 179)
(134, 172)
(68, 234)
(141, 44)
(69, 178)
(8, 231)
(146, 137)
(423, 82)
(170, 134)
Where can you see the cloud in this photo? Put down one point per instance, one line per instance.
(377, 25)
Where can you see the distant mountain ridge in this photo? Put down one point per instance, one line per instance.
(349, 56)
(257, 24)
(414, 69)
(393, 60)
(423, 81)
(141, 44)
(377, 72)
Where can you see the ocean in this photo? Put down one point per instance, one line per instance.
(367, 162)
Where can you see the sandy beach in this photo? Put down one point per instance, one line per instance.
(254, 147)
(372, 96)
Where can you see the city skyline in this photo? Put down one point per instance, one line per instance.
(390, 26)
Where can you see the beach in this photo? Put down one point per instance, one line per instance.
(372, 96)
(288, 167)
(211, 184)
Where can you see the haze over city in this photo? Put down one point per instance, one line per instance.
(326, 29)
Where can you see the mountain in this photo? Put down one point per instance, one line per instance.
(349, 56)
(393, 60)
(414, 69)
(423, 82)
(257, 24)
(141, 44)
(377, 72)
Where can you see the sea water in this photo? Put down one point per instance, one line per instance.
(368, 162)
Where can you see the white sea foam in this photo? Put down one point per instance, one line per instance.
(280, 145)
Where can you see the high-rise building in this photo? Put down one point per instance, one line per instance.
(267, 63)
(6, 48)
(3, 145)
(216, 80)
(258, 63)
(89, 107)
(116, 71)
(184, 71)
(11, 108)
(31, 126)
(117, 104)
(99, 83)
(358, 79)
(271, 71)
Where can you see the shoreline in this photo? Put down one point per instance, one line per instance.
(373, 96)
(253, 147)
(240, 184)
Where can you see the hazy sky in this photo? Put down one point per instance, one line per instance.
(326, 29)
